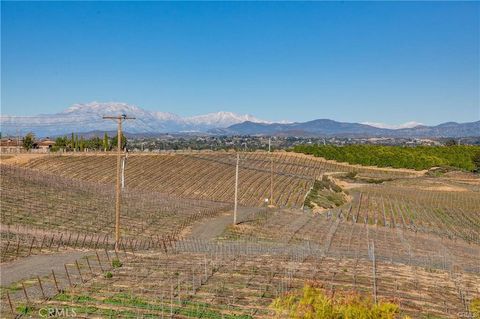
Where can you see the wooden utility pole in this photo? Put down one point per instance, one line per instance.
(236, 191)
(271, 170)
(119, 120)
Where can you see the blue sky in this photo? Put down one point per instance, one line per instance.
(386, 62)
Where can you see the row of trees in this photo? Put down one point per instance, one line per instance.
(75, 143)
(465, 157)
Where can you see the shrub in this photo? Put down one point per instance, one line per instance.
(315, 302)
(351, 175)
(24, 309)
(108, 275)
(326, 194)
(475, 308)
(116, 263)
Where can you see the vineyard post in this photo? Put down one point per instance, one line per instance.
(271, 171)
(10, 303)
(119, 119)
(18, 247)
(55, 280)
(374, 272)
(6, 249)
(79, 273)
(171, 300)
(41, 287)
(236, 191)
(25, 293)
(68, 275)
(31, 245)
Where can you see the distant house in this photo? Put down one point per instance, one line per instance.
(9, 145)
(44, 145)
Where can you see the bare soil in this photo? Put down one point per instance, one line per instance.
(445, 188)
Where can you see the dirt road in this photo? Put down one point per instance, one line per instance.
(211, 228)
(39, 265)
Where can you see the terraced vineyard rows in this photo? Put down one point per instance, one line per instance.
(410, 239)
(344, 238)
(207, 176)
(208, 280)
(444, 213)
(56, 205)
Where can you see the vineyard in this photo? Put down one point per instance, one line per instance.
(207, 175)
(397, 235)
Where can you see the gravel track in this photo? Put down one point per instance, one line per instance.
(37, 265)
(209, 229)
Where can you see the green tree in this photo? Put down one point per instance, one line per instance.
(81, 144)
(418, 157)
(115, 141)
(105, 142)
(29, 141)
(476, 163)
(95, 143)
(450, 142)
(60, 143)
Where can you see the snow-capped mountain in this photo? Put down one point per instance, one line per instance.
(166, 116)
(222, 118)
(88, 117)
(102, 108)
(219, 120)
(410, 124)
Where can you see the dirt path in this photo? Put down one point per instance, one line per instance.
(211, 228)
(38, 265)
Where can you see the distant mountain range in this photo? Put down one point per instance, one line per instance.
(325, 127)
(87, 117)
